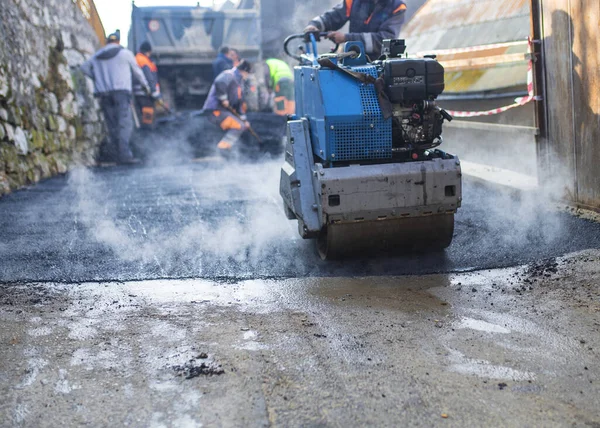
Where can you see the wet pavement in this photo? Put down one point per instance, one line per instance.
(181, 296)
(218, 220)
(511, 347)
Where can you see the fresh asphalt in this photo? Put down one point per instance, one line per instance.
(222, 220)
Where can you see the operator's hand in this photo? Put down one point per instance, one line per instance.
(310, 29)
(246, 124)
(147, 90)
(336, 36)
(225, 103)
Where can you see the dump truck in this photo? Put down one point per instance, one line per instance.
(185, 42)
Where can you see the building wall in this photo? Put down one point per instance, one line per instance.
(48, 116)
(570, 147)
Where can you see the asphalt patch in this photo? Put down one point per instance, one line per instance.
(193, 369)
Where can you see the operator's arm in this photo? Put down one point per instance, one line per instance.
(333, 19)
(222, 83)
(138, 74)
(389, 29)
(152, 82)
(87, 68)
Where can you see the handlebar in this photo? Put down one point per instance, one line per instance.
(310, 38)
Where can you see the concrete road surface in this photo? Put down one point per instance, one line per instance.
(182, 297)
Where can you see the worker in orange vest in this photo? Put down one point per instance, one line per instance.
(144, 102)
(371, 22)
(226, 105)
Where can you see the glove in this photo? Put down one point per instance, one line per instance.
(311, 29)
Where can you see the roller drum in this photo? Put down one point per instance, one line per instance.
(391, 236)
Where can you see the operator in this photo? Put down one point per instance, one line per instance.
(279, 80)
(111, 68)
(226, 60)
(145, 103)
(226, 104)
(371, 22)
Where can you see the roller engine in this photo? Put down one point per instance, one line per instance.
(362, 171)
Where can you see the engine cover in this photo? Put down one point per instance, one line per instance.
(413, 79)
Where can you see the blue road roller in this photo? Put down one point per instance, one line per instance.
(363, 173)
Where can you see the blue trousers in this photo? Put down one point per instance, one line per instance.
(116, 107)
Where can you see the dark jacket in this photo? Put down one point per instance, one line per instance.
(227, 86)
(220, 64)
(150, 72)
(371, 21)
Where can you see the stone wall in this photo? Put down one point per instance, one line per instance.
(49, 119)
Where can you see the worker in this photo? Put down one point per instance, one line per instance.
(145, 103)
(371, 22)
(279, 80)
(111, 68)
(226, 60)
(226, 106)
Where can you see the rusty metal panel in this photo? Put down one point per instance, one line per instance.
(557, 156)
(585, 16)
(89, 11)
(571, 152)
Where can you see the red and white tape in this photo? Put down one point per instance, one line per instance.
(521, 101)
(442, 52)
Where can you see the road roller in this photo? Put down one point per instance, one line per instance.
(363, 173)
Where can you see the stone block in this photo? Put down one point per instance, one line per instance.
(21, 141)
(89, 115)
(62, 124)
(65, 74)
(51, 142)
(3, 115)
(69, 107)
(35, 81)
(33, 174)
(89, 131)
(37, 139)
(51, 103)
(74, 58)
(64, 142)
(62, 164)
(10, 157)
(51, 123)
(14, 116)
(4, 85)
(38, 120)
(42, 164)
(66, 37)
(86, 46)
(4, 184)
(10, 132)
(2, 132)
(71, 133)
